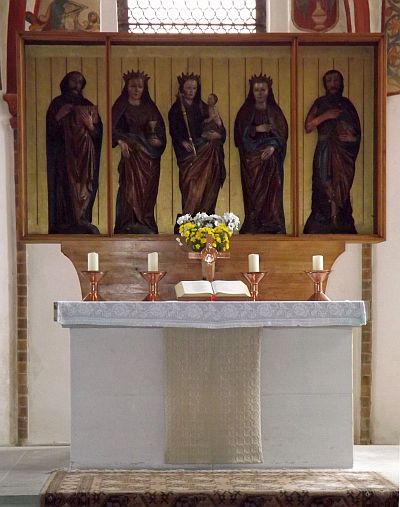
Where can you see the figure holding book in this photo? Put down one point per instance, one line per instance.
(198, 147)
(73, 145)
(139, 131)
(261, 133)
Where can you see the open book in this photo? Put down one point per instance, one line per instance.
(204, 289)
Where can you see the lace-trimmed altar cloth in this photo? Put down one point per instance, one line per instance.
(213, 412)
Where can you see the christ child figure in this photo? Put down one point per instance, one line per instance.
(213, 122)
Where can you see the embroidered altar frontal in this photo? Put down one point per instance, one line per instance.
(213, 409)
(212, 488)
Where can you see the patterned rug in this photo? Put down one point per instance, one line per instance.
(267, 488)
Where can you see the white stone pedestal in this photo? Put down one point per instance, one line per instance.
(118, 378)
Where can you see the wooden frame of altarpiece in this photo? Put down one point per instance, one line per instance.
(296, 63)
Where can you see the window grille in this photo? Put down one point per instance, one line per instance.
(189, 16)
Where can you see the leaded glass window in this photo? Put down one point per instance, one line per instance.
(188, 16)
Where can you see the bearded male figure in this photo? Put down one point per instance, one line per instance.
(73, 144)
(339, 137)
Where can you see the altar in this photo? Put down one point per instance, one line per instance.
(118, 378)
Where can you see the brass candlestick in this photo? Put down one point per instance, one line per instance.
(152, 278)
(254, 278)
(318, 277)
(94, 279)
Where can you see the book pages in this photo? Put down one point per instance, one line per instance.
(203, 288)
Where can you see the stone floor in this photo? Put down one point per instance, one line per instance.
(23, 470)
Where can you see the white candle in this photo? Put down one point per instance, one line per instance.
(152, 261)
(254, 263)
(317, 262)
(93, 261)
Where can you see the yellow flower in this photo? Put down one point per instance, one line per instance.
(196, 237)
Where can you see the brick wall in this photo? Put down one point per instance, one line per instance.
(22, 344)
(366, 349)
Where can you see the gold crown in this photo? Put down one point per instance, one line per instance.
(131, 74)
(186, 77)
(261, 78)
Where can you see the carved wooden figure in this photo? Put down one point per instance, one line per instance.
(73, 144)
(198, 148)
(138, 129)
(261, 133)
(339, 136)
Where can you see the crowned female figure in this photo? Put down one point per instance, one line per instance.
(138, 129)
(261, 133)
(199, 151)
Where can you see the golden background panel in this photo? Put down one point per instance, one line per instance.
(66, 51)
(31, 159)
(191, 52)
(370, 157)
(43, 98)
(178, 65)
(100, 212)
(224, 71)
(163, 97)
(238, 88)
(220, 86)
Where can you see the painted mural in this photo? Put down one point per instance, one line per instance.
(315, 15)
(65, 15)
(391, 26)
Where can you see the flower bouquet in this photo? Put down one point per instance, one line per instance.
(195, 230)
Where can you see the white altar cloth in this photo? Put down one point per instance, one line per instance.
(210, 314)
(118, 378)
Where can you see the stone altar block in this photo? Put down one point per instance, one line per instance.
(118, 378)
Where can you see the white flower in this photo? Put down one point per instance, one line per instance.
(184, 218)
(216, 220)
(201, 219)
(231, 220)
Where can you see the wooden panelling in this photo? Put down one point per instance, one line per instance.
(163, 98)
(223, 71)
(100, 98)
(31, 169)
(296, 63)
(283, 98)
(124, 259)
(238, 87)
(220, 86)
